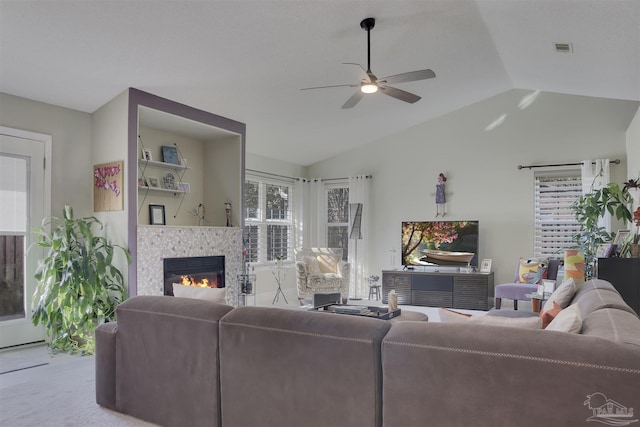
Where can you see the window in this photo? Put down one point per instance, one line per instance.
(268, 220)
(555, 220)
(338, 219)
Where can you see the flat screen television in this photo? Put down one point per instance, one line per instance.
(440, 243)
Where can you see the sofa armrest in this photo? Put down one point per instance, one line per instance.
(501, 376)
(106, 364)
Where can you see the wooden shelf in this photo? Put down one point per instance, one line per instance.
(162, 164)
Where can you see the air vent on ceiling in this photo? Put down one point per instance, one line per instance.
(563, 47)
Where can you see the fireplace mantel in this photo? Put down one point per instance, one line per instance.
(158, 242)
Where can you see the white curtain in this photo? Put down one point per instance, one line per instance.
(358, 254)
(309, 214)
(595, 175)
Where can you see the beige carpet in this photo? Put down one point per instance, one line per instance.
(58, 393)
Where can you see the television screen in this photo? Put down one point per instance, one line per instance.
(434, 243)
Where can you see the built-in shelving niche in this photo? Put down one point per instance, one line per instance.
(214, 149)
(209, 161)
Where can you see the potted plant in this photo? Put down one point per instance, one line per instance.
(78, 286)
(634, 239)
(589, 209)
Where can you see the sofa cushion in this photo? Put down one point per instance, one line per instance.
(596, 298)
(282, 367)
(562, 295)
(567, 320)
(167, 359)
(614, 325)
(450, 316)
(217, 295)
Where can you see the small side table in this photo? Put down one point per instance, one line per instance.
(279, 273)
(537, 300)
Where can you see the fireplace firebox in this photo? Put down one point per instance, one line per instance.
(205, 271)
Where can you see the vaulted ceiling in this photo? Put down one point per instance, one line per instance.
(248, 60)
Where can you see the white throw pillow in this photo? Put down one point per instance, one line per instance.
(449, 316)
(562, 296)
(568, 320)
(312, 265)
(217, 295)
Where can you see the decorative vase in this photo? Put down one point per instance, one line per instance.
(635, 250)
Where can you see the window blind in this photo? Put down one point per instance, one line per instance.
(555, 220)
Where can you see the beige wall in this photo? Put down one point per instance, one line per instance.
(71, 163)
(481, 166)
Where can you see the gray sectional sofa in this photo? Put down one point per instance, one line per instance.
(181, 362)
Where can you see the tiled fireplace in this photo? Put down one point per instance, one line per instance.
(155, 243)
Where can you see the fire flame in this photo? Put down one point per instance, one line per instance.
(190, 281)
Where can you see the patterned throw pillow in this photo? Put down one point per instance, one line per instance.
(574, 265)
(532, 270)
(547, 316)
(217, 295)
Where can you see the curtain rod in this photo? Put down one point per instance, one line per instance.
(616, 161)
(298, 178)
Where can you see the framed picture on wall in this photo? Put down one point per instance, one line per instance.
(156, 215)
(485, 266)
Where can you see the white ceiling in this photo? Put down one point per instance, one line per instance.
(248, 60)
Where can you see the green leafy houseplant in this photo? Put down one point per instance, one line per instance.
(589, 209)
(78, 286)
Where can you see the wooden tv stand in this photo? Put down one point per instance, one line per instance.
(472, 291)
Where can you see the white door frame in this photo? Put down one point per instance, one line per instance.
(22, 331)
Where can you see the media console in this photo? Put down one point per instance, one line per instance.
(472, 291)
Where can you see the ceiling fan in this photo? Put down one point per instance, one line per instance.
(371, 84)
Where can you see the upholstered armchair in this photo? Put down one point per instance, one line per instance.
(520, 288)
(321, 270)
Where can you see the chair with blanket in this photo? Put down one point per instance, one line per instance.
(529, 274)
(321, 270)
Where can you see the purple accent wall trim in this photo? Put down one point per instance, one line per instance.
(139, 98)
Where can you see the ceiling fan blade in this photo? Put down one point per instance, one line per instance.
(411, 76)
(355, 98)
(402, 95)
(323, 87)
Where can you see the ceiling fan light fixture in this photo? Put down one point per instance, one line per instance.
(369, 88)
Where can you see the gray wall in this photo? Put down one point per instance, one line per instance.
(481, 166)
(71, 165)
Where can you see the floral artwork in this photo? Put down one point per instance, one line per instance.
(107, 187)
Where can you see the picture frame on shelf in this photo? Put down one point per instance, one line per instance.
(184, 186)
(605, 250)
(620, 236)
(156, 215)
(146, 154)
(153, 182)
(485, 266)
(170, 155)
(142, 182)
